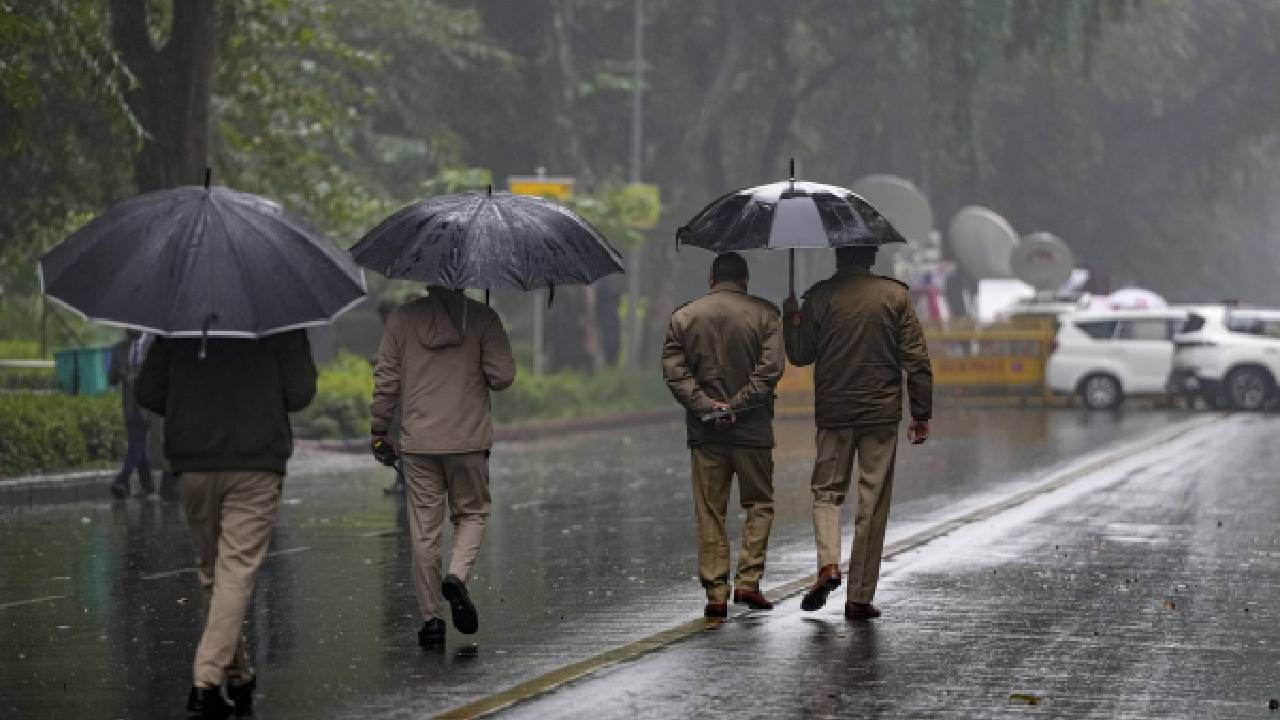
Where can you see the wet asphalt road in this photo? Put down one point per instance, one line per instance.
(590, 547)
(1144, 590)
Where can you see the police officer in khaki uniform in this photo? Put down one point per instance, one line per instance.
(722, 358)
(861, 333)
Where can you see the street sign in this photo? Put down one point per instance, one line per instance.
(558, 188)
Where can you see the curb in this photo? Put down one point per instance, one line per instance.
(95, 485)
(530, 430)
(60, 488)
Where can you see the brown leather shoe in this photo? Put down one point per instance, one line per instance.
(716, 610)
(828, 580)
(753, 599)
(860, 611)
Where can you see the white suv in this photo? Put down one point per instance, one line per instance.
(1105, 356)
(1229, 356)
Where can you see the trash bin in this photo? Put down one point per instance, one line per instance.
(82, 371)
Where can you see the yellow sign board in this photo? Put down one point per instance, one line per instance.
(558, 188)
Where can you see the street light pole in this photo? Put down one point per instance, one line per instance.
(631, 346)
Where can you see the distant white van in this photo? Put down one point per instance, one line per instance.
(1105, 356)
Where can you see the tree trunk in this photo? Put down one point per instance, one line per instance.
(686, 168)
(566, 148)
(175, 85)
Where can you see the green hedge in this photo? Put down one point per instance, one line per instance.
(341, 407)
(49, 432)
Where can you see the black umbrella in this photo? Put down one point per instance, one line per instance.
(790, 214)
(193, 260)
(488, 240)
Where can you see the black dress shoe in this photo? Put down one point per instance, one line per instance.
(208, 704)
(242, 696)
(432, 633)
(828, 579)
(120, 488)
(464, 611)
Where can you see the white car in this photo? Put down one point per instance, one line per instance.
(1230, 356)
(1105, 356)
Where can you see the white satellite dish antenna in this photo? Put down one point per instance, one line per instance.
(904, 206)
(981, 241)
(1043, 261)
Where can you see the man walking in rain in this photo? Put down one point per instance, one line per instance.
(861, 333)
(440, 357)
(722, 359)
(226, 404)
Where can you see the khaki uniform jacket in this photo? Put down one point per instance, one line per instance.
(861, 332)
(439, 358)
(725, 346)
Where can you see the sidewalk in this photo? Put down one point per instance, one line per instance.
(1148, 588)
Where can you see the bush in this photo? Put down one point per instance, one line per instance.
(48, 432)
(341, 405)
(568, 394)
(345, 386)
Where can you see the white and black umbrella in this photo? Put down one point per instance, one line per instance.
(484, 241)
(195, 261)
(788, 215)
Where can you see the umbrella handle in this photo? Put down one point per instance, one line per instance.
(204, 335)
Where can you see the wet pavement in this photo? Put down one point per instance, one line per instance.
(1146, 589)
(591, 547)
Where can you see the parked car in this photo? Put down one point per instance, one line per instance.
(1105, 356)
(1230, 356)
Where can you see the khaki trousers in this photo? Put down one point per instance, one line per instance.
(713, 469)
(231, 515)
(429, 479)
(875, 448)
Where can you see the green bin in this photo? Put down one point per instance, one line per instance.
(82, 371)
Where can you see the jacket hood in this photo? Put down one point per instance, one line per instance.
(440, 330)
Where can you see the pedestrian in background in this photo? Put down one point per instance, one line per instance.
(861, 333)
(226, 404)
(722, 359)
(126, 362)
(440, 357)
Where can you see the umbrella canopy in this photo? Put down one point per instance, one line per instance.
(198, 260)
(485, 241)
(787, 215)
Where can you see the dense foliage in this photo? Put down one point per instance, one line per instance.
(46, 432)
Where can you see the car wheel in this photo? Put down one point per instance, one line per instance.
(1101, 392)
(1249, 388)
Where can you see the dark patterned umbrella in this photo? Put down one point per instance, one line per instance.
(201, 260)
(488, 240)
(787, 215)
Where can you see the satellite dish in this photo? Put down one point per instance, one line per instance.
(901, 203)
(981, 241)
(1043, 261)
(904, 206)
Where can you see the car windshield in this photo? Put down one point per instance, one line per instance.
(1265, 326)
(1194, 322)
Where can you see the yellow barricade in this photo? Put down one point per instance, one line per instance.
(1006, 360)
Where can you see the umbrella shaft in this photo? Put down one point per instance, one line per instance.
(791, 273)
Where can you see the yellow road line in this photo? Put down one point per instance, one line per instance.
(563, 675)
